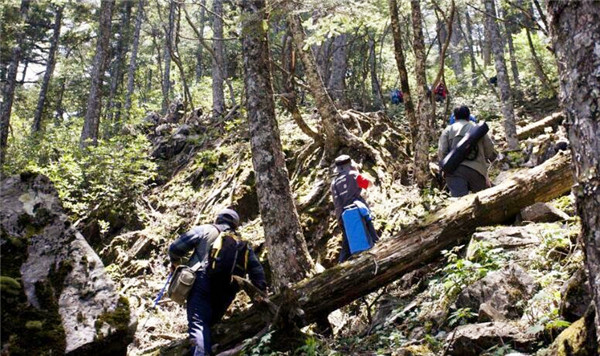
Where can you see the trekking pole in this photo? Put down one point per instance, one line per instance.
(158, 298)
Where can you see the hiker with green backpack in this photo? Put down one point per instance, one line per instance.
(471, 172)
(206, 282)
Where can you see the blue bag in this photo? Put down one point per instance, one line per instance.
(355, 218)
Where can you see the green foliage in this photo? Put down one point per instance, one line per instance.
(460, 272)
(99, 182)
(461, 316)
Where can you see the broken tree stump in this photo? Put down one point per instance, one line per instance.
(419, 244)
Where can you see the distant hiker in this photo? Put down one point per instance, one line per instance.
(440, 92)
(218, 253)
(351, 209)
(494, 80)
(471, 174)
(396, 96)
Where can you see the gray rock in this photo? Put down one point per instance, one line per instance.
(501, 290)
(575, 296)
(63, 279)
(510, 237)
(542, 212)
(489, 313)
(474, 339)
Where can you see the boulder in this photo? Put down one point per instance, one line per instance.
(474, 339)
(510, 237)
(575, 296)
(501, 290)
(61, 300)
(542, 212)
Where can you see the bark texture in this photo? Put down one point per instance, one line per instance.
(118, 66)
(94, 102)
(393, 257)
(166, 80)
(339, 65)
(409, 107)
(289, 98)
(9, 87)
(508, 112)
(217, 61)
(287, 251)
(424, 105)
(575, 30)
(37, 117)
(375, 86)
(133, 59)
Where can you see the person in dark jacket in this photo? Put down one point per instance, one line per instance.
(471, 175)
(208, 300)
(346, 189)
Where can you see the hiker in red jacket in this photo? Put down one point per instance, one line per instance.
(346, 188)
(440, 92)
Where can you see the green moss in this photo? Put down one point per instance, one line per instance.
(9, 286)
(57, 276)
(118, 319)
(34, 325)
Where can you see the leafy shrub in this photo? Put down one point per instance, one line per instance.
(98, 182)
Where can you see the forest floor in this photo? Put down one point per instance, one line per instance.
(416, 313)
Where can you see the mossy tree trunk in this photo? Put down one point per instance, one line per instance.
(424, 104)
(287, 250)
(217, 69)
(575, 30)
(409, 107)
(416, 245)
(133, 58)
(39, 110)
(94, 102)
(8, 94)
(510, 129)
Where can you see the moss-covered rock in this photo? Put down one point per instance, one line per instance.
(579, 339)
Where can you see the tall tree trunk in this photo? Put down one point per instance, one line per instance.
(487, 44)
(457, 53)
(539, 70)
(37, 117)
(509, 30)
(336, 134)
(575, 30)
(510, 129)
(424, 105)
(176, 57)
(199, 54)
(117, 70)
(11, 82)
(409, 107)
(166, 86)
(471, 51)
(94, 102)
(289, 98)
(218, 61)
(375, 87)
(337, 79)
(288, 254)
(133, 59)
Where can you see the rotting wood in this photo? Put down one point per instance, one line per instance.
(413, 247)
(539, 126)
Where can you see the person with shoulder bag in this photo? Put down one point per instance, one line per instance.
(205, 284)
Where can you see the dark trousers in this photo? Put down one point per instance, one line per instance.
(206, 305)
(465, 179)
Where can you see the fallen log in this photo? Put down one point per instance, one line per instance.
(537, 128)
(393, 257)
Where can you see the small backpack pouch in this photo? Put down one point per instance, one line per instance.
(181, 284)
